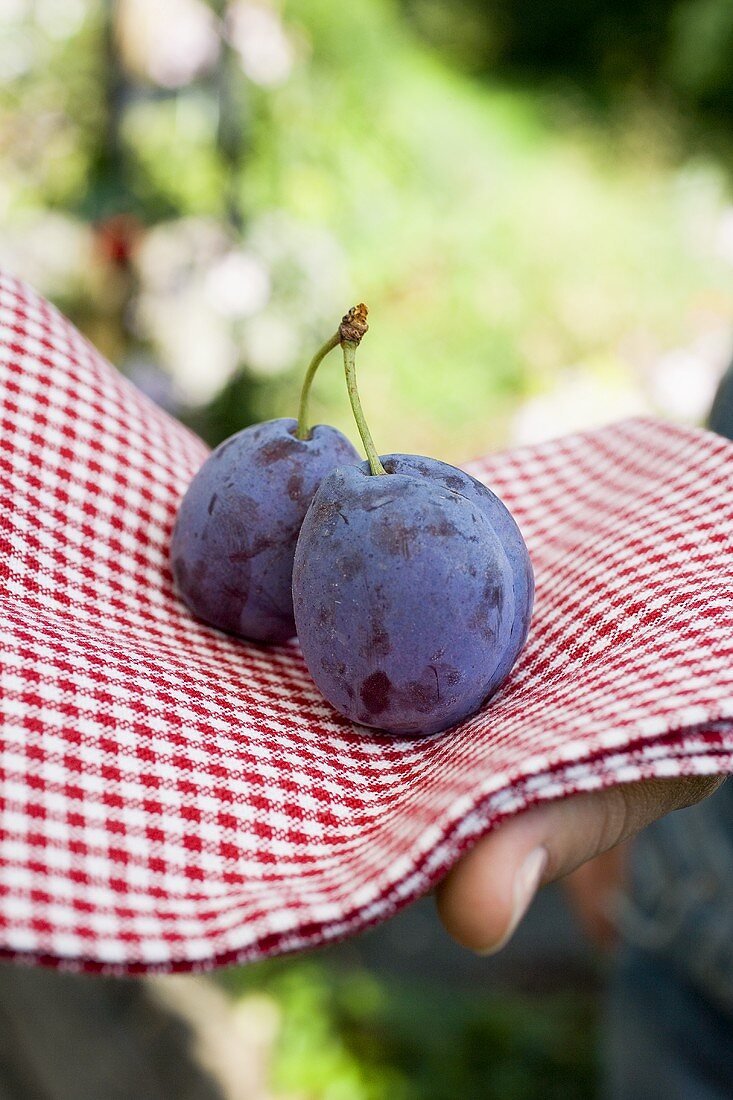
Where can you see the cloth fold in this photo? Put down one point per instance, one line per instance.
(173, 798)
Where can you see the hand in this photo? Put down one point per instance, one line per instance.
(483, 898)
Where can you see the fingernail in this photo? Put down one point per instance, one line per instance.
(526, 883)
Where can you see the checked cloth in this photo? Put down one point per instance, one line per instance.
(174, 799)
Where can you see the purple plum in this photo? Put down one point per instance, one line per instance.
(412, 585)
(412, 592)
(234, 538)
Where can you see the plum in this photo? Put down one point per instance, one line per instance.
(412, 589)
(237, 525)
(235, 533)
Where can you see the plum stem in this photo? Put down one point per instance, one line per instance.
(303, 431)
(349, 349)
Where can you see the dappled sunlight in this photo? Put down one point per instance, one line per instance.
(522, 277)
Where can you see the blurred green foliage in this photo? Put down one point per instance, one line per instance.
(505, 239)
(674, 50)
(348, 1034)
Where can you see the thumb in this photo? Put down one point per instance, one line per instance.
(483, 898)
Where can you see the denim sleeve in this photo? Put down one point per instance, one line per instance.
(680, 903)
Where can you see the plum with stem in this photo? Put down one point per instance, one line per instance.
(234, 537)
(412, 587)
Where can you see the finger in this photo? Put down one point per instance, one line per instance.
(593, 888)
(483, 898)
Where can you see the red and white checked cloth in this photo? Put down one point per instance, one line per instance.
(173, 798)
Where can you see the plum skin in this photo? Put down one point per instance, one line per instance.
(412, 594)
(503, 523)
(234, 538)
